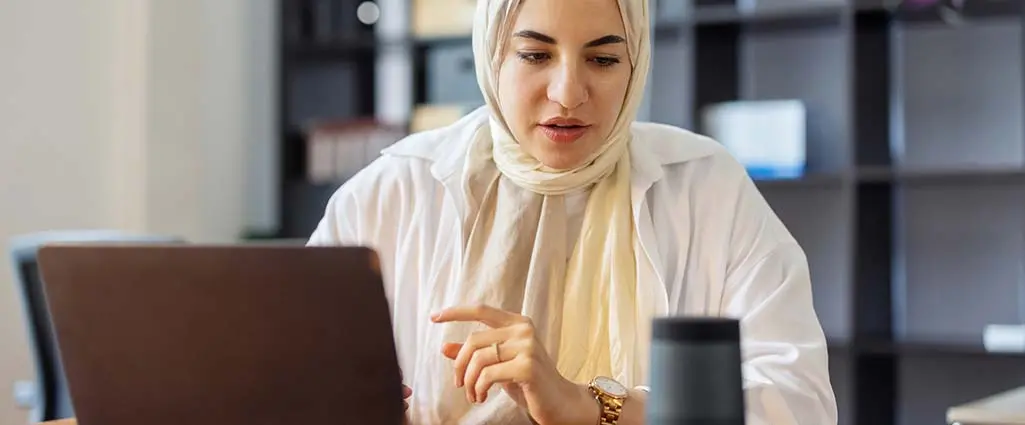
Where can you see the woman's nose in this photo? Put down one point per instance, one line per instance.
(568, 87)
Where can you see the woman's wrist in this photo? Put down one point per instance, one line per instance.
(633, 409)
(587, 409)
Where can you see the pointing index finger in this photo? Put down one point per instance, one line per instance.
(487, 315)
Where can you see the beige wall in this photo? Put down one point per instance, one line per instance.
(140, 115)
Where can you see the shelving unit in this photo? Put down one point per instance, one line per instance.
(913, 209)
(326, 69)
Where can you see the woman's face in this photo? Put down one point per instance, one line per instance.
(564, 78)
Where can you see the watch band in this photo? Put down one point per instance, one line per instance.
(611, 409)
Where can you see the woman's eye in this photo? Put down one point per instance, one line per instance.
(606, 61)
(532, 57)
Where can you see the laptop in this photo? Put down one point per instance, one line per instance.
(223, 335)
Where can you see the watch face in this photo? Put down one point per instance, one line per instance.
(610, 386)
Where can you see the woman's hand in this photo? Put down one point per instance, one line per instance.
(509, 354)
(406, 392)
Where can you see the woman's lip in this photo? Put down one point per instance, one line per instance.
(563, 134)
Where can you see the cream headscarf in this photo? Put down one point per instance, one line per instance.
(584, 310)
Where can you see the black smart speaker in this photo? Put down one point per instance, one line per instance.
(695, 372)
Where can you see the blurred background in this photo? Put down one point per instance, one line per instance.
(887, 134)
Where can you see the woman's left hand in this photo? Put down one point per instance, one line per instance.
(511, 355)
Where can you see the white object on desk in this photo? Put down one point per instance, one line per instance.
(752, 6)
(25, 394)
(1007, 408)
(767, 136)
(1004, 338)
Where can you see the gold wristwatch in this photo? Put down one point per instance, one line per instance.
(610, 396)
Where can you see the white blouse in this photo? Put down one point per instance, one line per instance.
(713, 247)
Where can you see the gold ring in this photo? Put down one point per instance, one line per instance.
(498, 354)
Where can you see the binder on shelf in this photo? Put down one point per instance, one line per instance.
(443, 18)
(338, 149)
(432, 116)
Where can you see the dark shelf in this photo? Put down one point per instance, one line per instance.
(781, 15)
(724, 15)
(358, 47)
(931, 349)
(978, 175)
(915, 349)
(972, 9)
(805, 181)
(426, 42)
(341, 49)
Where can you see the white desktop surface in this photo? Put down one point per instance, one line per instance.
(1006, 408)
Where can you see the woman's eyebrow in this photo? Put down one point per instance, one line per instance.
(534, 35)
(608, 39)
(544, 38)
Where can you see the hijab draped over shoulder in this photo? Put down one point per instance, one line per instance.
(585, 310)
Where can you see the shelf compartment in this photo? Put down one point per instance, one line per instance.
(809, 63)
(329, 91)
(451, 76)
(322, 21)
(671, 90)
(786, 12)
(306, 204)
(960, 268)
(972, 10)
(815, 216)
(959, 93)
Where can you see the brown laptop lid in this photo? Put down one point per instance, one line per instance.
(173, 335)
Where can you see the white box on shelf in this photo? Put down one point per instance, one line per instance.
(767, 136)
(1004, 338)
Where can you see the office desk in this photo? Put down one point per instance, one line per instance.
(1007, 408)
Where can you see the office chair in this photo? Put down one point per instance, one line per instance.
(52, 398)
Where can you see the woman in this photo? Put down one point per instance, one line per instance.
(526, 247)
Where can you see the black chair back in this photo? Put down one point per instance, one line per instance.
(52, 399)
